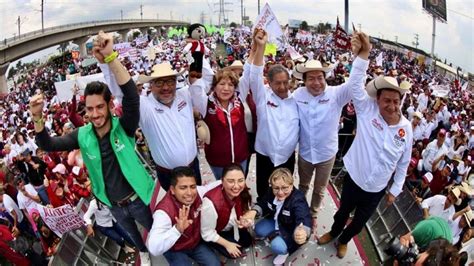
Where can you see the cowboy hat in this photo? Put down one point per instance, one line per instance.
(203, 132)
(237, 64)
(159, 71)
(310, 65)
(466, 188)
(457, 194)
(469, 217)
(384, 82)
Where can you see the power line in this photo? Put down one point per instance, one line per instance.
(459, 13)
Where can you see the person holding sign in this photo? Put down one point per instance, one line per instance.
(381, 148)
(287, 218)
(118, 178)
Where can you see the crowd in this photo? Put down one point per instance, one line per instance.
(383, 118)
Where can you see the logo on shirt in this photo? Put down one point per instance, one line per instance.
(160, 111)
(272, 104)
(286, 213)
(118, 145)
(181, 105)
(401, 132)
(90, 156)
(211, 111)
(399, 140)
(376, 124)
(323, 101)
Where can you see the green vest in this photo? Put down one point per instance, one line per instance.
(124, 149)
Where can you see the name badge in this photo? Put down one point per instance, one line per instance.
(285, 212)
(270, 206)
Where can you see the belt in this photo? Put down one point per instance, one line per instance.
(124, 202)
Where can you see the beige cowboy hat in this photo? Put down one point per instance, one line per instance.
(159, 71)
(384, 82)
(203, 132)
(466, 188)
(457, 194)
(310, 65)
(236, 64)
(469, 216)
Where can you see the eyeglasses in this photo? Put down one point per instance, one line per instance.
(282, 189)
(162, 83)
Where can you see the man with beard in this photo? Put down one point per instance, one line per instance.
(107, 144)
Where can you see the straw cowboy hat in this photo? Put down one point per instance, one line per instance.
(469, 216)
(203, 132)
(159, 71)
(311, 65)
(237, 64)
(384, 82)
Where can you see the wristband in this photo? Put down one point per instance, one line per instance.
(111, 57)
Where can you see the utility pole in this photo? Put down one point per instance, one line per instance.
(222, 16)
(416, 43)
(346, 15)
(121, 14)
(241, 12)
(141, 12)
(42, 17)
(433, 36)
(18, 21)
(259, 7)
(396, 39)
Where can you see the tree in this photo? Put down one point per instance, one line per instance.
(304, 25)
(233, 25)
(136, 34)
(63, 46)
(18, 64)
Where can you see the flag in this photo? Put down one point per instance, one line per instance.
(379, 59)
(341, 39)
(293, 53)
(268, 21)
(270, 48)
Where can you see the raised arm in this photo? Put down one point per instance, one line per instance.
(361, 47)
(103, 51)
(256, 71)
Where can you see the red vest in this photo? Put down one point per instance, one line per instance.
(192, 235)
(219, 151)
(223, 206)
(194, 46)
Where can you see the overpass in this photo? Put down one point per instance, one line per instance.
(15, 48)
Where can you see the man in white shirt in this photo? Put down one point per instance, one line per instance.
(417, 127)
(382, 148)
(166, 120)
(319, 109)
(434, 151)
(442, 206)
(20, 224)
(277, 117)
(423, 99)
(176, 222)
(27, 196)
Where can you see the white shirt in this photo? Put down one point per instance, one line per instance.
(455, 229)
(163, 235)
(431, 153)
(418, 133)
(25, 202)
(422, 102)
(209, 221)
(319, 116)
(378, 149)
(103, 216)
(277, 120)
(278, 204)
(10, 206)
(435, 206)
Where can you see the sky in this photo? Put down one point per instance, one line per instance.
(378, 18)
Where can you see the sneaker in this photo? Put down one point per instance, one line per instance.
(128, 249)
(341, 250)
(280, 259)
(324, 239)
(145, 259)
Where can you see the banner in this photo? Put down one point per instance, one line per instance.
(268, 21)
(304, 36)
(62, 219)
(64, 88)
(293, 53)
(122, 48)
(341, 39)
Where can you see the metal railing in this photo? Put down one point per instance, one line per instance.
(21, 37)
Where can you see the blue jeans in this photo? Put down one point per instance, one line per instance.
(117, 233)
(165, 176)
(265, 228)
(42, 194)
(126, 217)
(217, 171)
(201, 254)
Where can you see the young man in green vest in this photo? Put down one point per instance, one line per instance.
(107, 144)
